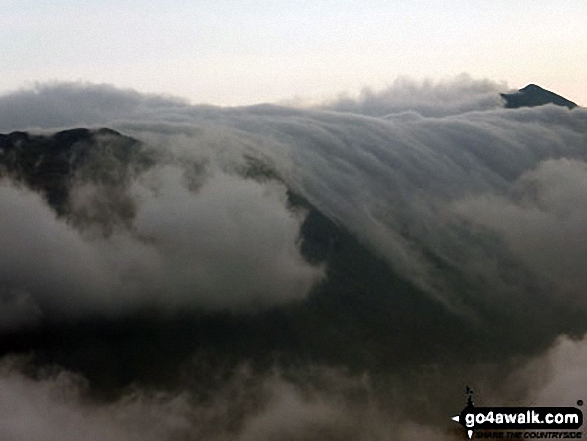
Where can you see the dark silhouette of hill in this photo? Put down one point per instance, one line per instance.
(47, 164)
(533, 95)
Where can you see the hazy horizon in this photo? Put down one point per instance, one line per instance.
(227, 53)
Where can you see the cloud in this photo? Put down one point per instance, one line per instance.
(390, 181)
(42, 411)
(62, 104)
(426, 98)
(230, 244)
(51, 105)
(233, 240)
(246, 407)
(543, 223)
(562, 372)
(479, 209)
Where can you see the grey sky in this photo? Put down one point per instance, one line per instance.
(228, 52)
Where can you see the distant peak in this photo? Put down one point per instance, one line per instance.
(533, 95)
(531, 88)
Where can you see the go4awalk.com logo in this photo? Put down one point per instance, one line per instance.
(520, 422)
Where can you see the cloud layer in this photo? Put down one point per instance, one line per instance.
(480, 208)
(232, 244)
(427, 98)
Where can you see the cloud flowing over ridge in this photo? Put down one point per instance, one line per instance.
(460, 95)
(481, 208)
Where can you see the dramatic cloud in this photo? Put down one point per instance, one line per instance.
(475, 213)
(231, 244)
(427, 98)
(390, 181)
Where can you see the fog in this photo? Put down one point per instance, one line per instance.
(479, 209)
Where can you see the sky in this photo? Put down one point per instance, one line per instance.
(227, 52)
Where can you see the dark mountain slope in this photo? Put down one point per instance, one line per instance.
(47, 164)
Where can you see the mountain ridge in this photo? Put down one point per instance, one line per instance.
(533, 95)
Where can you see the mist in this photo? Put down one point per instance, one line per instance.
(339, 271)
(427, 98)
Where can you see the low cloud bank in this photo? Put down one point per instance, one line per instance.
(478, 207)
(247, 407)
(231, 244)
(426, 98)
(308, 404)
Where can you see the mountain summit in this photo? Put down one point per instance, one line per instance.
(533, 95)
